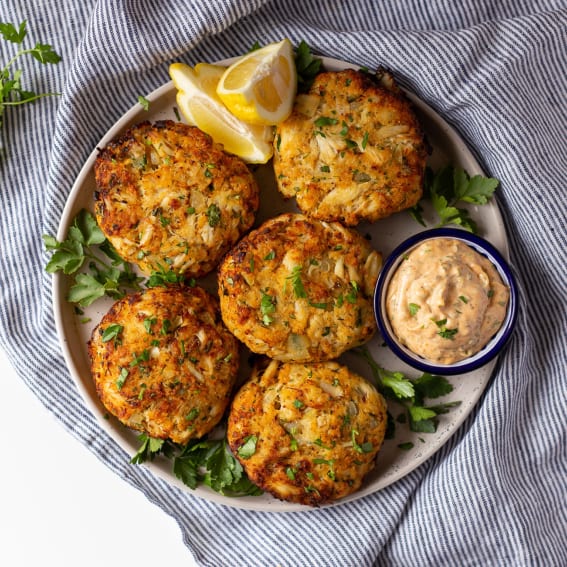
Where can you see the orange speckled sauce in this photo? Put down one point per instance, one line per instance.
(446, 301)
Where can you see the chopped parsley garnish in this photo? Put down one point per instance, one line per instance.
(353, 292)
(112, 332)
(267, 307)
(144, 102)
(444, 332)
(213, 215)
(162, 277)
(414, 308)
(366, 447)
(148, 324)
(448, 333)
(248, 448)
(122, 378)
(296, 282)
(325, 121)
(144, 356)
(192, 415)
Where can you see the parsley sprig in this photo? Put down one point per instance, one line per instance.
(449, 187)
(307, 65)
(106, 272)
(86, 245)
(205, 461)
(11, 91)
(411, 394)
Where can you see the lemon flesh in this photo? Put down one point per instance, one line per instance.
(200, 105)
(260, 87)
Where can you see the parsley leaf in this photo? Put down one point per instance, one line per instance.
(297, 282)
(307, 66)
(450, 186)
(210, 462)
(411, 394)
(144, 102)
(413, 308)
(204, 461)
(164, 276)
(267, 307)
(248, 448)
(213, 215)
(86, 247)
(149, 448)
(11, 91)
(432, 386)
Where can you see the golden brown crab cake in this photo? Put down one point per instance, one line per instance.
(299, 289)
(307, 433)
(352, 149)
(163, 362)
(168, 197)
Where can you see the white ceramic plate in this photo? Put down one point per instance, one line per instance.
(393, 463)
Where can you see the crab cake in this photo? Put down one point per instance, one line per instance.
(307, 433)
(352, 149)
(163, 362)
(168, 197)
(299, 289)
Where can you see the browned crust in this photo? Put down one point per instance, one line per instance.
(352, 150)
(303, 417)
(157, 185)
(180, 362)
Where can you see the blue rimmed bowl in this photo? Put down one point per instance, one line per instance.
(495, 345)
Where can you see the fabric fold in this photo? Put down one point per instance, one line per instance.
(495, 493)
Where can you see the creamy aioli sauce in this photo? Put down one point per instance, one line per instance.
(446, 301)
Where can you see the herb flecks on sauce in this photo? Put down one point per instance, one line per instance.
(446, 301)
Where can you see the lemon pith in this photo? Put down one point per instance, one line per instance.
(201, 106)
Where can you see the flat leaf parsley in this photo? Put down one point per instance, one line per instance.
(206, 461)
(411, 394)
(86, 246)
(11, 91)
(449, 187)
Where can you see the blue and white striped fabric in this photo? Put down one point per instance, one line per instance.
(496, 493)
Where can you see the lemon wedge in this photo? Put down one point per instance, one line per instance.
(200, 105)
(260, 87)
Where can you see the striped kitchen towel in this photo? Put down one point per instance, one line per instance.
(497, 72)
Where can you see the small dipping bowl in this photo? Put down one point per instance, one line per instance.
(495, 344)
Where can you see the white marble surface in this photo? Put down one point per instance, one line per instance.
(60, 506)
